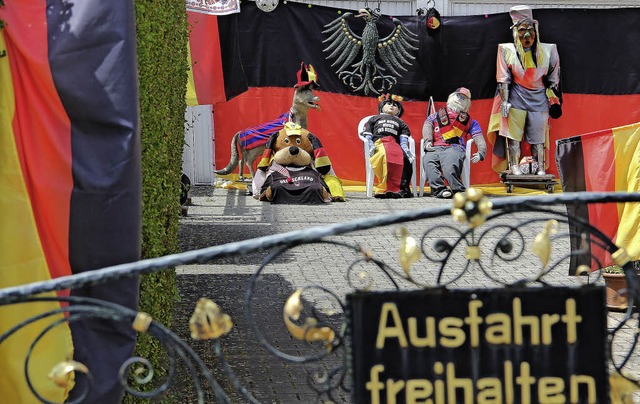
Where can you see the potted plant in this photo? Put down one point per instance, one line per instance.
(616, 284)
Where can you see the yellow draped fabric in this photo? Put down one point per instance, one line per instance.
(626, 143)
(23, 261)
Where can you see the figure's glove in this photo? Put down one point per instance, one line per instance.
(477, 157)
(404, 145)
(411, 157)
(555, 102)
(505, 106)
(372, 148)
(428, 146)
(555, 111)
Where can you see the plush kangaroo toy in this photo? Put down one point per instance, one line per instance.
(251, 142)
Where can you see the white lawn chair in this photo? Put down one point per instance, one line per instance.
(466, 167)
(367, 164)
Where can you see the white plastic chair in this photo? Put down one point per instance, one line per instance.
(466, 167)
(367, 164)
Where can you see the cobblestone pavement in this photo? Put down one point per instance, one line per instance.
(218, 216)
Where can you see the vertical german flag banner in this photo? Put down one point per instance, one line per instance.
(212, 77)
(604, 161)
(70, 182)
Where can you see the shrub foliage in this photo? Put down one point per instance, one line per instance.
(162, 35)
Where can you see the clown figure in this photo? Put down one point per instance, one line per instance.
(528, 93)
(391, 158)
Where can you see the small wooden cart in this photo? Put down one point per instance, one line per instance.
(547, 181)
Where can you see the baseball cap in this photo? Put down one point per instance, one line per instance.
(464, 91)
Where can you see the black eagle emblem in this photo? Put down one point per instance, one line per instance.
(370, 74)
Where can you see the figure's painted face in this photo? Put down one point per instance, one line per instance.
(304, 97)
(390, 108)
(458, 102)
(526, 34)
(293, 149)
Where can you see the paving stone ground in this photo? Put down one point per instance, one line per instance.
(218, 216)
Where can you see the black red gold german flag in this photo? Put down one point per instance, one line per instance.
(71, 180)
(604, 161)
(598, 68)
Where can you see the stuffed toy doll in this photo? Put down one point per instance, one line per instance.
(320, 161)
(291, 177)
(391, 158)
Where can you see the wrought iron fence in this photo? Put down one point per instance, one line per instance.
(500, 243)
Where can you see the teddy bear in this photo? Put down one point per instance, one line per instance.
(291, 177)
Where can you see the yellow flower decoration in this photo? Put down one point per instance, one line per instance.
(390, 97)
(471, 206)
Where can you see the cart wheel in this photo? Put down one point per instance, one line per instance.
(509, 188)
(550, 188)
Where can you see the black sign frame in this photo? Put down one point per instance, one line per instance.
(416, 346)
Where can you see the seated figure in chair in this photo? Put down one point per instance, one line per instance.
(445, 134)
(391, 158)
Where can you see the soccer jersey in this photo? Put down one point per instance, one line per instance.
(296, 186)
(383, 125)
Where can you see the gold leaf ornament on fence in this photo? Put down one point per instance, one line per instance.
(310, 331)
(209, 321)
(409, 250)
(62, 373)
(541, 245)
(142, 322)
(621, 389)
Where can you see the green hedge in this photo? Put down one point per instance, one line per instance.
(162, 35)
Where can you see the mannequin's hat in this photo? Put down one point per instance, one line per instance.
(391, 99)
(519, 13)
(464, 91)
(307, 75)
(292, 129)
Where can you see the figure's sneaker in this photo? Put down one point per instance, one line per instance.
(515, 170)
(406, 193)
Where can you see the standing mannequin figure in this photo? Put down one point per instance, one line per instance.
(528, 93)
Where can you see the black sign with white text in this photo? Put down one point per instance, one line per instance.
(509, 345)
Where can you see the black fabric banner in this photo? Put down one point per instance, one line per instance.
(235, 81)
(597, 49)
(570, 163)
(92, 55)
